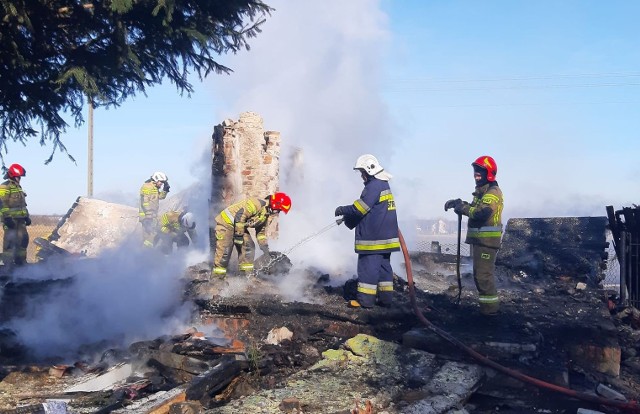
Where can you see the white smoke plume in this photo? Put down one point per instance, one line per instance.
(314, 75)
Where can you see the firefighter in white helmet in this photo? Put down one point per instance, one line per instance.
(152, 191)
(374, 218)
(176, 227)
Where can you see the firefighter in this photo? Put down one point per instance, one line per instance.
(15, 217)
(232, 229)
(177, 227)
(374, 218)
(152, 191)
(484, 230)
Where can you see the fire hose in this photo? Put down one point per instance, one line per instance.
(631, 407)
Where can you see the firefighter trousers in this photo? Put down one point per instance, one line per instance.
(224, 248)
(484, 265)
(149, 231)
(375, 276)
(15, 243)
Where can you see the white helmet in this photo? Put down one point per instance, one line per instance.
(159, 176)
(369, 164)
(187, 220)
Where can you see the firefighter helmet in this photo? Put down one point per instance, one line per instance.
(280, 202)
(16, 170)
(369, 164)
(488, 164)
(159, 176)
(187, 220)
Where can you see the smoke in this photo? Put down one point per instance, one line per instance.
(314, 75)
(124, 295)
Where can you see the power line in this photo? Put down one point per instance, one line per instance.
(521, 78)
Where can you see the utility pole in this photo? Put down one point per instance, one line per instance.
(90, 152)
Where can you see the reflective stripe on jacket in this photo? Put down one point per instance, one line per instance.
(485, 216)
(150, 198)
(13, 201)
(170, 224)
(375, 215)
(247, 213)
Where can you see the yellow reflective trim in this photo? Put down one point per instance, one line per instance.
(480, 234)
(361, 206)
(386, 197)
(219, 271)
(489, 198)
(391, 245)
(488, 299)
(366, 290)
(385, 288)
(226, 216)
(246, 266)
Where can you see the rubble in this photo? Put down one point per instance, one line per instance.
(250, 349)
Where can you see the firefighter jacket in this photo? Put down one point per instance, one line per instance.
(374, 217)
(245, 214)
(13, 201)
(485, 216)
(170, 224)
(150, 198)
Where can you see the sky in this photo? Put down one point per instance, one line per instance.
(548, 88)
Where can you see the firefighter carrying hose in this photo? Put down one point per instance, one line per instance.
(484, 230)
(15, 217)
(374, 217)
(152, 191)
(232, 229)
(176, 227)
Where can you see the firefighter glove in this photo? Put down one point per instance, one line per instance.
(238, 240)
(459, 208)
(452, 204)
(27, 221)
(166, 186)
(9, 223)
(339, 211)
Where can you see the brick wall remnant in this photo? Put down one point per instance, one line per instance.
(245, 163)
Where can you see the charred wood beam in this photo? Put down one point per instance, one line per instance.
(181, 362)
(214, 380)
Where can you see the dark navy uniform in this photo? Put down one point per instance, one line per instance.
(374, 217)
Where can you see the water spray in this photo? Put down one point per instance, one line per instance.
(280, 255)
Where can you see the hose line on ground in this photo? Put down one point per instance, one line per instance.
(631, 407)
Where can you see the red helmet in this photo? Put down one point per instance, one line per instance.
(488, 164)
(280, 202)
(16, 170)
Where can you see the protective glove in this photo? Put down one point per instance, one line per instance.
(237, 240)
(452, 204)
(339, 211)
(265, 249)
(27, 221)
(459, 208)
(166, 186)
(9, 223)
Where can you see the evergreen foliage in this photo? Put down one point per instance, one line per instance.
(57, 54)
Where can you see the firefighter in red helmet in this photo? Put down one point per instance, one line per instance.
(484, 230)
(232, 229)
(15, 217)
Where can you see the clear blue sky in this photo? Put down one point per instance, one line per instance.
(548, 88)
